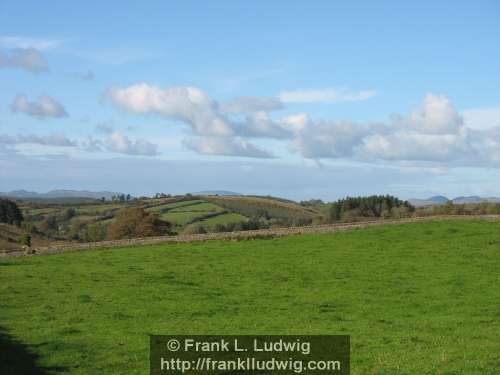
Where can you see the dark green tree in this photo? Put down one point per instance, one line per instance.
(10, 212)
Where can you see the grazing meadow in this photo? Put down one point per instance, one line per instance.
(420, 298)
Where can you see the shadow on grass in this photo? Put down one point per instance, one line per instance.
(16, 358)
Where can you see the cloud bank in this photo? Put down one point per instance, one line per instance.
(433, 133)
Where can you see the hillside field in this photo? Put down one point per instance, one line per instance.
(48, 221)
(420, 298)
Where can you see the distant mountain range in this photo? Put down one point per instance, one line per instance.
(215, 192)
(439, 199)
(55, 194)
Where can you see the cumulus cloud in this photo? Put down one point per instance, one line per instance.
(187, 104)
(28, 59)
(411, 145)
(229, 146)
(437, 115)
(117, 142)
(323, 139)
(259, 125)
(328, 95)
(217, 130)
(43, 107)
(433, 132)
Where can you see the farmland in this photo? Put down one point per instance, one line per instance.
(50, 221)
(415, 298)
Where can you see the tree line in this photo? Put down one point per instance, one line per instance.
(377, 206)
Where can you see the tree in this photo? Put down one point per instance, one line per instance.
(10, 212)
(136, 222)
(25, 239)
(69, 213)
(95, 232)
(49, 223)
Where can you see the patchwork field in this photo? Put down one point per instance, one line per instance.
(88, 220)
(419, 298)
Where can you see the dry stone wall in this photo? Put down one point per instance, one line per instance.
(240, 235)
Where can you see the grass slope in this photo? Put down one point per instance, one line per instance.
(416, 298)
(224, 219)
(249, 206)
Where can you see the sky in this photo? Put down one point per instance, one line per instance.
(288, 98)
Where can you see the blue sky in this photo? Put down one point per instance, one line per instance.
(282, 98)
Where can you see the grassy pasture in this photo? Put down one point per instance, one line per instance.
(250, 206)
(182, 218)
(200, 207)
(419, 298)
(170, 206)
(227, 218)
(182, 213)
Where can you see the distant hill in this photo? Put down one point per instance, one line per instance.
(439, 199)
(471, 199)
(57, 194)
(216, 192)
(436, 200)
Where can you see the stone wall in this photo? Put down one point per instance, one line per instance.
(241, 235)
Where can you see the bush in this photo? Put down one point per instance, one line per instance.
(136, 222)
(48, 224)
(25, 240)
(69, 213)
(95, 232)
(195, 229)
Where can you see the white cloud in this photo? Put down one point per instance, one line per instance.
(249, 104)
(27, 59)
(259, 125)
(437, 115)
(216, 134)
(411, 145)
(434, 132)
(92, 145)
(56, 139)
(43, 107)
(187, 104)
(329, 139)
(297, 121)
(229, 146)
(328, 95)
(117, 142)
(487, 144)
(482, 118)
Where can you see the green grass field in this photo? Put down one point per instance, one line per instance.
(224, 219)
(182, 213)
(418, 298)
